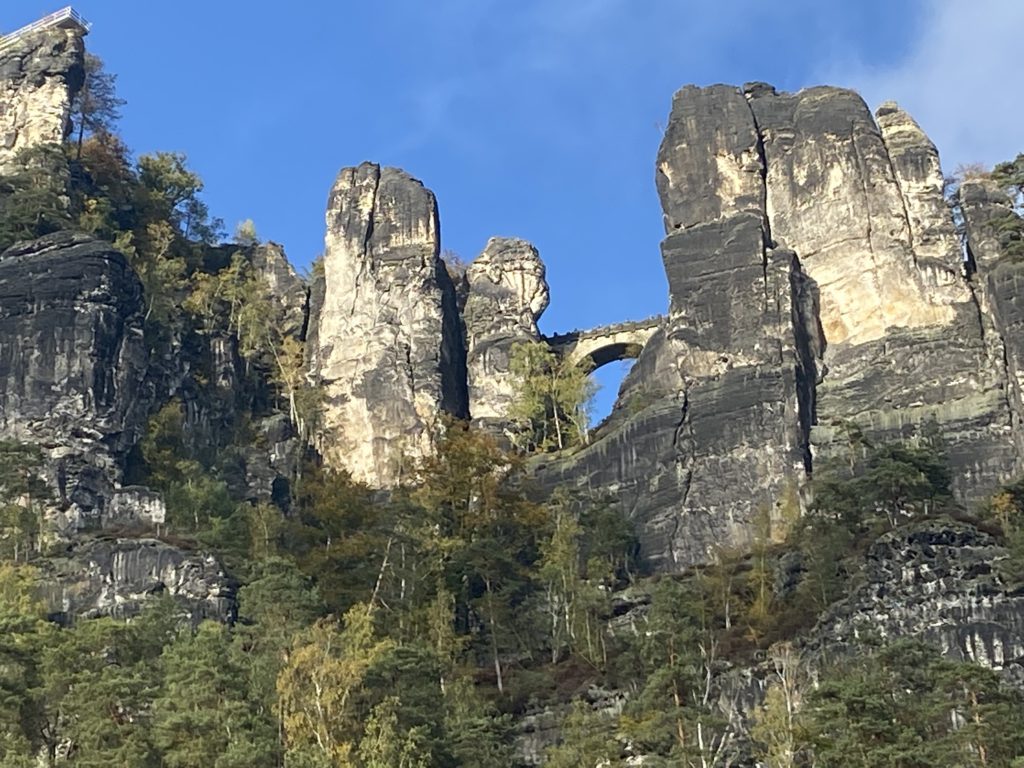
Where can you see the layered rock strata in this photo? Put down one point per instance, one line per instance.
(506, 293)
(39, 78)
(389, 351)
(118, 576)
(72, 363)
(861, 204)
(817, 289)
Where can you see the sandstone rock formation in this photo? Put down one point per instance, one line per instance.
(39, 78)
(506, 295)
(116, 576)
(816, 282)
(285, 286)
(938, 580)
(388, 348)
(72, 361)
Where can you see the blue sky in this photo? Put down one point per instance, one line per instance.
(535, 118)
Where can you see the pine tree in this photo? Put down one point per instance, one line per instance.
(204, 714)
(96, 107)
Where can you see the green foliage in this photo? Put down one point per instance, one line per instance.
(553, 400)
(238, 300)
(34, 197)
(23, 494)
(204, 715)
(245, 233)
(674, 714)
(908, 707)
(170, 192)
(586, 740)
(97, 107)
(589, 552)
(885, 484)
(1005, 509)
(1009, 227)
(338, 536)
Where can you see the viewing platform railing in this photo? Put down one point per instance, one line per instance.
(65, 17)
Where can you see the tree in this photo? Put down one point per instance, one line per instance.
(238, 299)
(587, 740)
(96, 107)
(319, 686)
(23, 494)
(102, 687)
(24, 726)
(245, 233)
(170, 192)
(204, 714)
(778, 729)
(675, 713)
(34, 195)
(906, 706)
(553, 399)
(479, 532)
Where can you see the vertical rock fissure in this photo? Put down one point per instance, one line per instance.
(807, 334)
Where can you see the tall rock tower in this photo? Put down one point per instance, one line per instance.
(41, 71)
(385, 344)
(817, 289)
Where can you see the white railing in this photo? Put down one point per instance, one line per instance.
(66, 14)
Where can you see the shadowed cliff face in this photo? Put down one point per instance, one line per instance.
(72, 360)
(39, 78)
(388, 348)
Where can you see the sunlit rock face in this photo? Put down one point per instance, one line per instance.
(816, 283)
(39, 78)
(506, 295)
(388, 346)
(72, 365)
(833, 196)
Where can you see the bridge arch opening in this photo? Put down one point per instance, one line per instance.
(608, 366)
(610, 353)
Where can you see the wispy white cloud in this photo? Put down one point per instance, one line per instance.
(960, 79)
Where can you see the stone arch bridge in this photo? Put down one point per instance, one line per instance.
(599, 346)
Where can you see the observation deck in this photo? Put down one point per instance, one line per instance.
(65, 18)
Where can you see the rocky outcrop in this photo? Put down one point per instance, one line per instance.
(72, 361)
(39, 78)
(285, 286)
(938, 580)
(389, 349)
(815, 281)
(708, 427)
(861, 204)
(505, 297)
(117, 576)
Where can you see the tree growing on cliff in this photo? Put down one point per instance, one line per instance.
(34, 195)
(551, 410)
(97, 107)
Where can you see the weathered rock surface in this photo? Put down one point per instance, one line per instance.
(39, 78)
(389, 348)
(72, 361)
(815, 279)
(937, 580)
(505, 296)
(117, 576)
